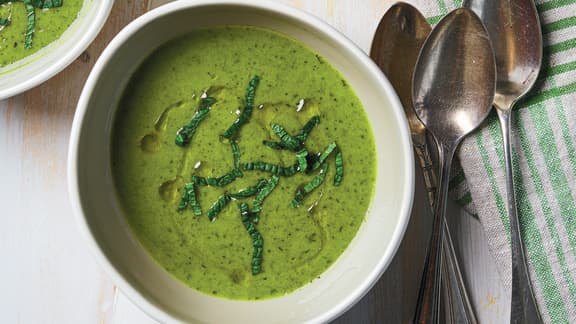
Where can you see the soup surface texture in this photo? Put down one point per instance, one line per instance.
(50, 24)
(218, 253)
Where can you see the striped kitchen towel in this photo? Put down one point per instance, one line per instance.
(544, 153)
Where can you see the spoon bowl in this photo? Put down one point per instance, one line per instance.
(451, 78)
(453, 91)
(514, 29)
(395, 48)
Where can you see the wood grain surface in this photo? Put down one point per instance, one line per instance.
(47, 274)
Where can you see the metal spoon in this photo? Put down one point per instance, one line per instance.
(395, 48)
(453, 91)
(514, 29)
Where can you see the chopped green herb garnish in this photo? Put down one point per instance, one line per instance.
(248, 107)
(274, 145)
(289, 171)
(50, 3)
(30, 26)
(257, 240)
(4, 22)
(272, 168)
(303, 135)
(310, 186)
(287, 140)
(201, 181)
(262, 166)
(222, 181)
(329, 149)
(184, 134)
(189, 199)
(226, 179)
(40, 4)
(218, 206)
(302, 157)
(305, 162)
(251, 191)
(261, 195)
(235, 154)
(185, 198)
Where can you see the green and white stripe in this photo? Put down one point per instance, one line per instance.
(544, 139)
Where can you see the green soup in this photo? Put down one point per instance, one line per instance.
(151, 171)
(50, 24)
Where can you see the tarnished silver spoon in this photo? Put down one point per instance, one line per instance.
(395, 48)
(514, 30)
(453, 90)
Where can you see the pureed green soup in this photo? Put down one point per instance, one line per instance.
(50, 18)
(244, 162)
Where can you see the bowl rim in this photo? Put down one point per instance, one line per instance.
(40, 76)
(126, 33)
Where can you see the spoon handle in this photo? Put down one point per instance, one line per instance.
(425, 161)
(463, 313)
(428, 306)
(460, 307)
(523, 307)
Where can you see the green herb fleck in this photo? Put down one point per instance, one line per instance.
(303, 135)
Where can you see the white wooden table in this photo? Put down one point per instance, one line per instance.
(47, 274)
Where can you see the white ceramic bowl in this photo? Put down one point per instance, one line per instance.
(42, 65)
(132, 269)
